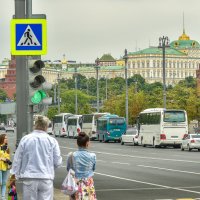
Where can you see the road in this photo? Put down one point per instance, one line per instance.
(134, 172)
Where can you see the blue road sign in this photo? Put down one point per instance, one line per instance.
(28, 37)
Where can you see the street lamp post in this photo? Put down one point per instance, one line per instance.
(97, 77)
(164, 43)
(106, 88)
(126, 80)
(76, 97)
(58, 79)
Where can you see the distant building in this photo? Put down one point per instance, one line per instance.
(182, 60)
(106, 60)
(8, 84)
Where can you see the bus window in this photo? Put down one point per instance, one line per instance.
(174, 116)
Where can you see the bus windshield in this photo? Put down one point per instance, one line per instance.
(57, 119)
(116, 121)
(174, 116)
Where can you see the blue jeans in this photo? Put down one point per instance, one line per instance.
(3, 181)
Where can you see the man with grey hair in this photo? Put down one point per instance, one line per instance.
(35, 159)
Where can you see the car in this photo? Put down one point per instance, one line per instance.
(2, 129)
(10, 129)
(191, 141)
(130, 136)
(50, 129)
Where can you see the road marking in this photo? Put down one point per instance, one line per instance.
(101, 161)
(120, 163)
(167, 169)
(142, 157)
(147, 183)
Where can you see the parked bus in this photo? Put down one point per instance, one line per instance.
(60, 124)
(162, 127)
(110, 128)
(89, 125)
(74, 125)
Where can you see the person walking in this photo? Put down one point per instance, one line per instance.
(5, 164)
(83, 163)
(34, 161)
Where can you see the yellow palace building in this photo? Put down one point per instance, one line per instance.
(181, 61)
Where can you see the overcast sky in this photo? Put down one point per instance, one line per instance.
(86, 29)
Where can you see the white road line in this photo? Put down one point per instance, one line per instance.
(142, 157)
(131, 189)
(101, 161)
(147, 183)
(167, 169)
(121, 163)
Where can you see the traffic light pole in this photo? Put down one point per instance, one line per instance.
(21, 81)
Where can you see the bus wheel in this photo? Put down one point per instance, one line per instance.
(104, 140)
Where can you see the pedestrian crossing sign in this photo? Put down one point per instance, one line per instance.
(28, 37)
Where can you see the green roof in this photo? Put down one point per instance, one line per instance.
(156, 50)
(184, 44)
(107, 58)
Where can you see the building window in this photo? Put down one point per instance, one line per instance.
(133, 64)
(158, 64)
(138, 64)
(147, 64)
(154, 63)
(143, 65)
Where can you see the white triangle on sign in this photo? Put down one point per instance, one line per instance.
(28, 38)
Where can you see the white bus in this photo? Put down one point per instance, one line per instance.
(74, 125)
(162, 127)
(60, 124)
(89, 125)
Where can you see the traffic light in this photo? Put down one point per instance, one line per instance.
(38, 84)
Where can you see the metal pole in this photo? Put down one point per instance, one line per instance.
(126, 79)
(97, 70)
(164, 43)
(55, 94)
(28, 9)
(58, 79)
(30, 107)
(21, 82)
(76, 98)
(164, 78)
(106, 88)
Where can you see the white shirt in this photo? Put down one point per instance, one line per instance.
(36, 156)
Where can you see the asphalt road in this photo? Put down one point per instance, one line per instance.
(138, 173)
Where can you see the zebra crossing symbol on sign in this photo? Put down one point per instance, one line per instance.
(28, 38)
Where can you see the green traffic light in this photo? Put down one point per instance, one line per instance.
(38, 96)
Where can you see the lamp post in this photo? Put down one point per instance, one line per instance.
(58, 79)
(126, 80)
(76, 97)
(97, 77)
(164, 43)
(106, 88)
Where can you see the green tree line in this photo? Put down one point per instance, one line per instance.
(142, 95)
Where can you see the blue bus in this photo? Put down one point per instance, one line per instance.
(110, 128)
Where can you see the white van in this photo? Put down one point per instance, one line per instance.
(60, 124)
(74, 125)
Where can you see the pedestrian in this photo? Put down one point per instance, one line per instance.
(35, 159)
(83, 163)
(5, 164)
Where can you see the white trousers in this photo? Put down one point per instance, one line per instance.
(37, 189)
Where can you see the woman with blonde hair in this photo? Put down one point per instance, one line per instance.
(5, 164)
